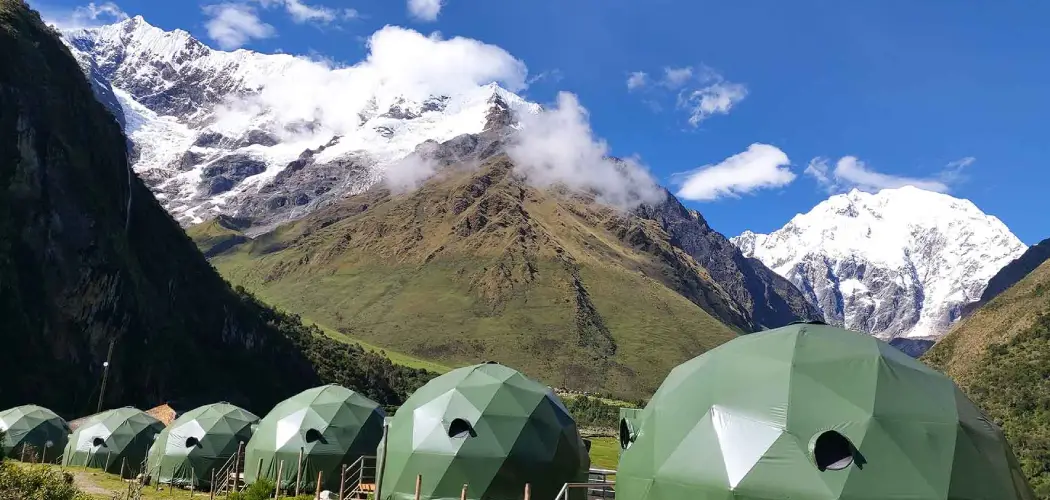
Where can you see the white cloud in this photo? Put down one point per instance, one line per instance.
(424, 10)
(702, 92)
(86, 16)
(760, 167)
(714, 99)
(637, 80)
(232, 25)
(408, 173)
(303, 13)
(553, 76)
(400, 62)
(676, 77)
(850, 173)
(558, 146)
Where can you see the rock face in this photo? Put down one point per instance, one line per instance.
(902, 262)
(770, 301)
(181, 99)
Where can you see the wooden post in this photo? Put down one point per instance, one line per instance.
(277, 488)
(23, 458)
(193, 481)
(528, 491)
(318, 492)
(160, 472)
(342, 482)
(298, 471)
(212, 489)
(463, 495)
(123, 463)
(258, 471)
(419, 485)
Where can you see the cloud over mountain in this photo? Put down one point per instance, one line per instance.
(761, 166)
(850, 172)
(558, 146)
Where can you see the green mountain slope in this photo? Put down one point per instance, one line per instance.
(1010, 274)
(89, 259)
(1000, 356)
(476, 265)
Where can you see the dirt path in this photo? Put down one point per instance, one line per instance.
(84, 482)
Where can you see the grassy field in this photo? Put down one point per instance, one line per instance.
(394, 356)
(605, 452)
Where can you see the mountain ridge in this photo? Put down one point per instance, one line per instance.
(1010, 274)
(546, 269)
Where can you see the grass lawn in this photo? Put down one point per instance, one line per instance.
(605, 452)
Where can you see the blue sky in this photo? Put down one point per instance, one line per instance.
(948, 95)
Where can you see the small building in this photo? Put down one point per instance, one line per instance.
(115, 441)
(328, 427)
(810, 411)
(165, 413)
(485, 426)
(198, 443)
(33, 433)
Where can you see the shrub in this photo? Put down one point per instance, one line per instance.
(36, 482)
(593, 412)
(259, 490)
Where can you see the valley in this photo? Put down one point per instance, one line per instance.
(174, 228)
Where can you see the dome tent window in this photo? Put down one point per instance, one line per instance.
(626, 434)
(98, 442)
(314, 435)
(460, 429)
(192, 441)
(832, 451)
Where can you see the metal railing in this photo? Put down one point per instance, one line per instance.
(359, 479)
(228, 477)
(594, 490)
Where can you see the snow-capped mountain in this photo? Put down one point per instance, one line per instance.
(217, 132)
(898, 263)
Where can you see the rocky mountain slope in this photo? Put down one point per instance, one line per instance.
(208, 143)
(1000, 355)
(479, 264)
(1010, 274)
(89, 259)
(899, 263)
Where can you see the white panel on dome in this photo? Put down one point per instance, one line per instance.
(743, 441)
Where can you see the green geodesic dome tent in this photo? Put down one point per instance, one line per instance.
(197, 443)
(331, 425)
(813, 412)
(33, 432)
(486, 426)
(112, 438)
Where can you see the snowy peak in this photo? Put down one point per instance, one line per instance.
(268, 137)
(900, 262)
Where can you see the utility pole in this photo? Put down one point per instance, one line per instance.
(105, 375)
